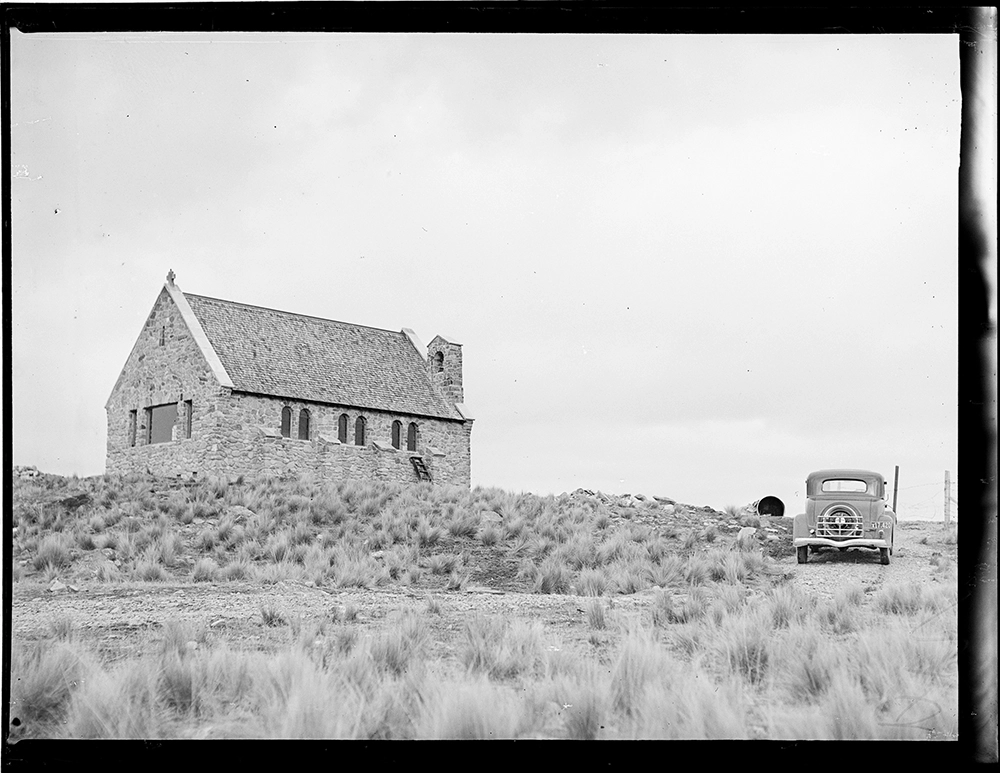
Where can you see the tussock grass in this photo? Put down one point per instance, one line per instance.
(744, 641)
(500, 649)
(238, 569)
(596, 617)
(899, 599)
(730, 646)
(45, 676)
(117, 704)
(592, 582)
(476, 710)
(553, 577)
(629, 576)
(404, 643)
(52, 552)
(641, 662)
(149, 571)
(668, 608)
(205, 570)
(788, 605)
(107, 572)
(690, 706)
(443, 563)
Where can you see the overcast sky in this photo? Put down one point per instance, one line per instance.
(692, 266)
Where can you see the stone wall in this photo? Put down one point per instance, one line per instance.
(448, 380)
(235, 433)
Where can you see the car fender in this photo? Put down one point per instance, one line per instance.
(800, 526)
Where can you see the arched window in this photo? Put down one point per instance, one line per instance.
(359, 431)
(439, 362)
(397, 431)
(286, 422)
(303, 424)
(411, 437)
(342, 428)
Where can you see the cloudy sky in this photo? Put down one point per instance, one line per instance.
(692, 266)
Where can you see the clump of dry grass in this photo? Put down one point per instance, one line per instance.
(592, 582)
(744, 643)
(596, 617)
(552, 577)
(44, 677)
(476, 710)
(52, 552)
(500, 649)
(898, 599)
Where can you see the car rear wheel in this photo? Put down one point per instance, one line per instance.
(802, 554)
(884, 555)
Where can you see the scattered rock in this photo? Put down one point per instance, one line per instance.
(26, 472)
(75, 502)
(239, 513)
(57, 586)
(745, 537)
(489, 516)
(191, 646)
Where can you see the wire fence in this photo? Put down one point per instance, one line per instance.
(925, 501)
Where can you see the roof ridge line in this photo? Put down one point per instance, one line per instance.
(201, 339)
(293, 313)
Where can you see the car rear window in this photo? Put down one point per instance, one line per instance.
(845, 484)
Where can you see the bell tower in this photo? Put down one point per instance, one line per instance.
(444, 366)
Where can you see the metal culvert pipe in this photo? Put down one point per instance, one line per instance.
(770, 506)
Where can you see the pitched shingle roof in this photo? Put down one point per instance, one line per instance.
(318, 360)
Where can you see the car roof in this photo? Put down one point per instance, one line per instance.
(844, 473)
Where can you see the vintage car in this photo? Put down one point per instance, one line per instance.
(844, 509)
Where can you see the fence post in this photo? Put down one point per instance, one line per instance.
(947, 498)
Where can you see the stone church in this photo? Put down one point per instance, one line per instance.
(224, 388)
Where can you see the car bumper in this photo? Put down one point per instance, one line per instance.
(844, 543)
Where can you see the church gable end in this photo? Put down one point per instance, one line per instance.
(165, 393)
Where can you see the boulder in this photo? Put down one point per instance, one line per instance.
(490, 516)
(238, 513)
(76, 501)
(746, 537)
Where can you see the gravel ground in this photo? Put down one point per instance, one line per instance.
(124, 620)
